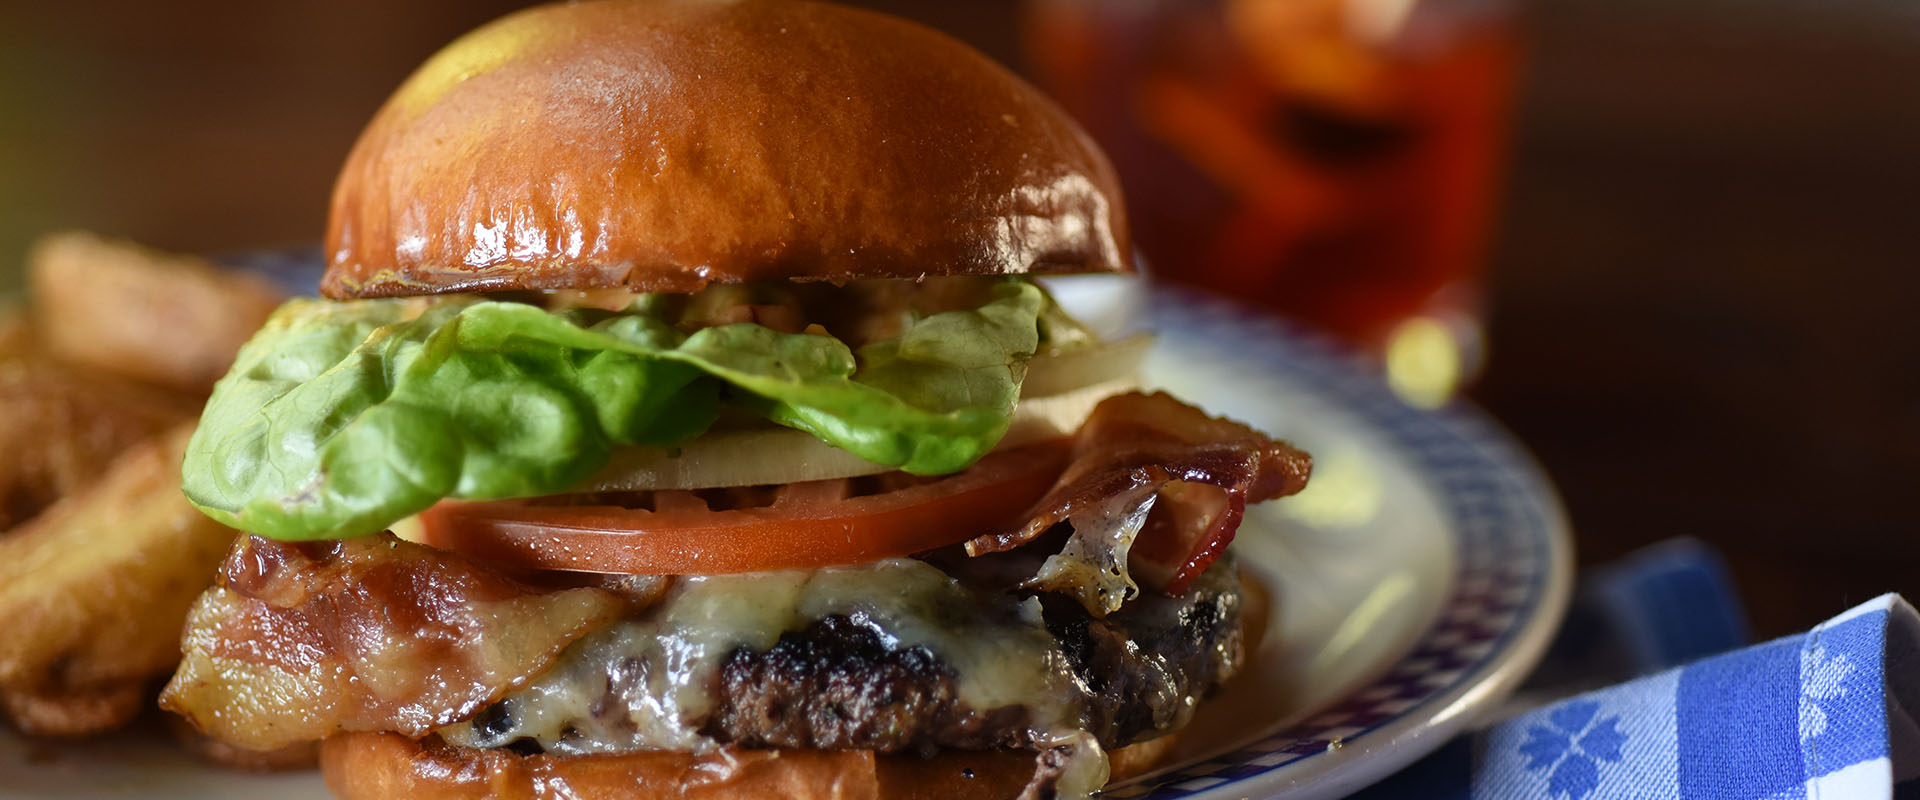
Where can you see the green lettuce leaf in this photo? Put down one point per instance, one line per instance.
(339, 418)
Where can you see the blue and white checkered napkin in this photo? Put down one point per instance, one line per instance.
(1830, 713)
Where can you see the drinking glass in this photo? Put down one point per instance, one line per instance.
(1335, 160)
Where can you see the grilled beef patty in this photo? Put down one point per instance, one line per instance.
(844, 681)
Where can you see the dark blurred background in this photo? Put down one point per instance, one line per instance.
(1699, 296)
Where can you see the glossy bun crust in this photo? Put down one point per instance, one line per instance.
(659, 145)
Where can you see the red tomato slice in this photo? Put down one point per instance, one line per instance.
(708, 532)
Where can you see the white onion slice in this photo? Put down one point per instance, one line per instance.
(783, 455)
(1057, 373)
(1059, 392)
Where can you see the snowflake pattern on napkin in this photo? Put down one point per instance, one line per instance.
(1827, 715)
(1823, 679)
(1571, 746)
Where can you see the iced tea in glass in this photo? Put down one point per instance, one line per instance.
(1332, 159)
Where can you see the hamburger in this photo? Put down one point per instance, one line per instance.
(682, 419)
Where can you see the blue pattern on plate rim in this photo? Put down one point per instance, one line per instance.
(1489, 490)
(297, 270)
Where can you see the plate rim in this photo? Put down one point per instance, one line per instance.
(1304, 766)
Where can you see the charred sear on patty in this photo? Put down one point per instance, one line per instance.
(837, 685)
(842, 682)
(1146, 667)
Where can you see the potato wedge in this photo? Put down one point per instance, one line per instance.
(61, 425)
(93, 591)
(85, 712)
(172, 320)
(16, 335)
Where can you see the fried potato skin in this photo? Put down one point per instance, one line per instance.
(171, 320)
(16, 335)
(73, 713)
(61, 425)
(93, 591)
(100, 555)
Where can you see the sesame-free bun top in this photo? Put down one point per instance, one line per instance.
(660, 145)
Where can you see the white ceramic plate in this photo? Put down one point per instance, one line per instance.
(1414, 583)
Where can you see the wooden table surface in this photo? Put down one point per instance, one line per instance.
(1702, 296)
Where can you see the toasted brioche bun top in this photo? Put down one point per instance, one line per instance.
(661, 145)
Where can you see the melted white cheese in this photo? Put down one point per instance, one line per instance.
(676, 650)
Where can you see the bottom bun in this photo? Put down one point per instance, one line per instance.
(375, 766)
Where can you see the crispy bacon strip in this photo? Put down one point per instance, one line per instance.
(299, 641)
(1136, 444)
